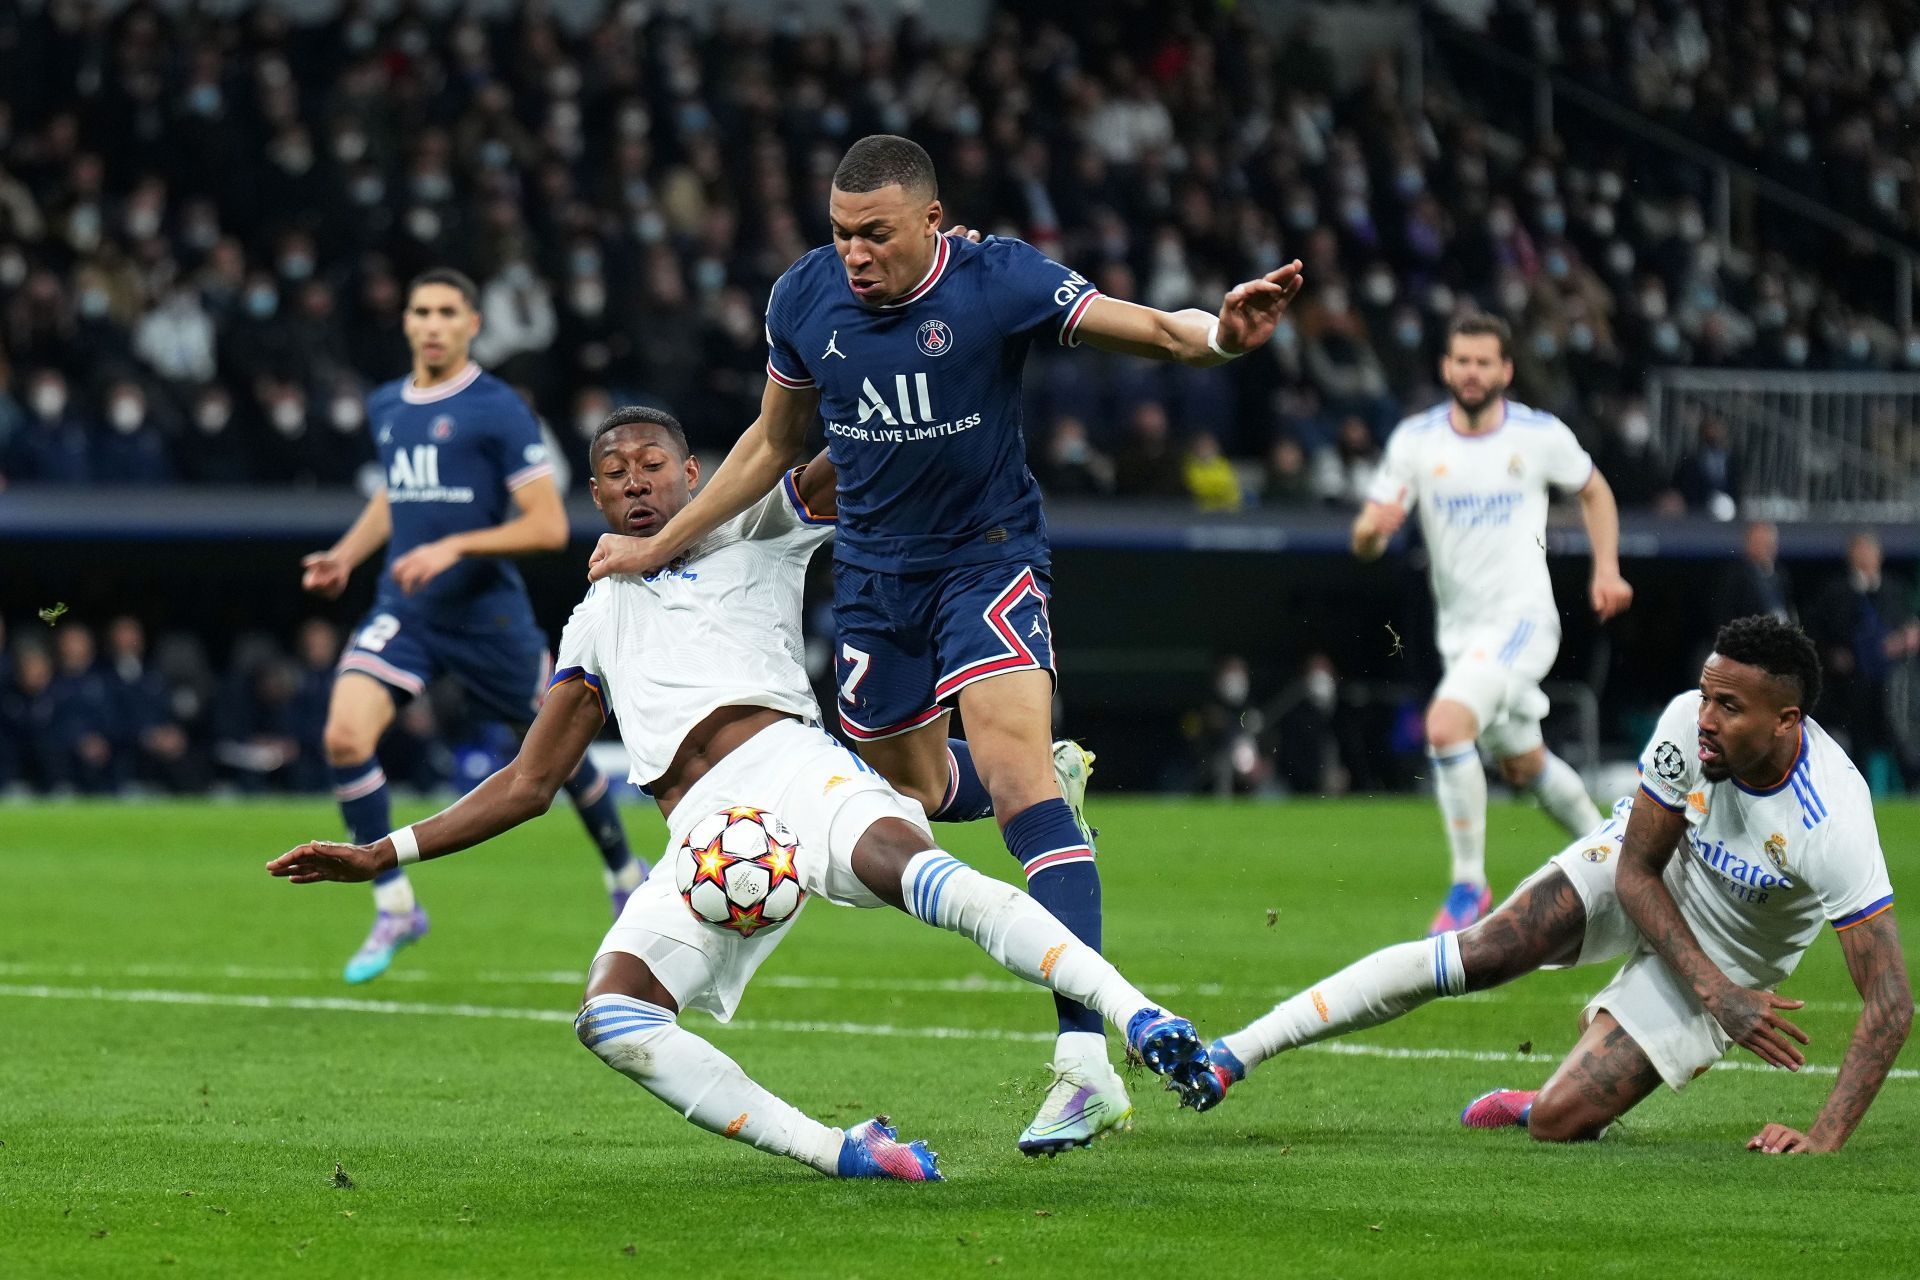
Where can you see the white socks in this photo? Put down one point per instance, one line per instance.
(1460, 785)
(641, 1041)
(1365, 994)
(627, 878)
(1562, 794)
(1019, 933)
(395, 895)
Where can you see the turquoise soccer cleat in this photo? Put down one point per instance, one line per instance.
(391, 931)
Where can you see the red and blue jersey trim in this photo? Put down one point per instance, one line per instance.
(1070, 327)
(1864, 914)
(1647, 791)
(791, 384)
(800, 508)
(592, 681)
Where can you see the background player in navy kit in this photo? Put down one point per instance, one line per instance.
(468, 483)
(909, 344)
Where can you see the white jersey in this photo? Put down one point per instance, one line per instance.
(1482, 503)
(1759, 870)
(717, 627)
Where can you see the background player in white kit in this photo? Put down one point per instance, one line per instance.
(701, 660)
(1750, 827)
(1477, 467)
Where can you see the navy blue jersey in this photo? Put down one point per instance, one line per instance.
(453, 455)
(921, 398)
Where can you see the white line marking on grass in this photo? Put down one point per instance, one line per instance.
(887, 1030)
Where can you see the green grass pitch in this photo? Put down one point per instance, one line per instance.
(181, 1071)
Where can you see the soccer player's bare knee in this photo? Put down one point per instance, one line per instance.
(1450, 724)
(1605, 1076)
(881, 855)
(619, 974)
(358, 713)
(1523, 770)
(1543, 923)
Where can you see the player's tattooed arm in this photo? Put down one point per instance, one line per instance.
(568, 722)
(765, 452)
(1750, 1018)
(1608, 592)
(1879, 973)
(325, 573)
(1248, 316)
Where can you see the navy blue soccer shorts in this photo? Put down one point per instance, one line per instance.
(501, 660)
(910, 642)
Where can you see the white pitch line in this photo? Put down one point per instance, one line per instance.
(350, 1004)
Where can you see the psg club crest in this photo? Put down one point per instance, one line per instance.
(442, 427)
(935, 338)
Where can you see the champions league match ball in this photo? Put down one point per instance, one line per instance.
(736, 871)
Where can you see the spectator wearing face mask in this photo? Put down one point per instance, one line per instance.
(1708, 475)
(1306, 747)
(213, 448)
(1070, 466)
(131, 451)
(1224, 732)
(1209, 477)
(53, 443)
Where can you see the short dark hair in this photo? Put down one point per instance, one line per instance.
(638, 415)
(1778, 648)
(452, 279)
(1478, 324)
(882, 159)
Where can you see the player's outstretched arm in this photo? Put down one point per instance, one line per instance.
(1879, 973)
(325, 573)
(1247, 318)
(763, 454)
(540, 525)
(1751, 1018)
(1608, 591)
(568, 722)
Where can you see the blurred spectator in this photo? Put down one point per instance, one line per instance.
(33, 750)
(1757, 585)
(52, 444)
(1071, 466)
(176, 338)
(1286, 481)
(1864, 626)
(1343, 471)
(1224, 734)
(256, 720)
(84, 713)
(152, 743)
(1148, 465)
(317, 649)
(131, 450)
(1306, 744)
(1708, 475)
(1209, 477)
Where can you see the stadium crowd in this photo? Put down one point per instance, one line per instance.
(206, 223)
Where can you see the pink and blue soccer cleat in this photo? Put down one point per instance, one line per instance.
(1500, 1109)
(1227, 1068)
(872, 1149)
(1465, 904)
(391, 931)
(1170, 1047)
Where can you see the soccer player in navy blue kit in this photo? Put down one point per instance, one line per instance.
(909, 344)
(469, 483)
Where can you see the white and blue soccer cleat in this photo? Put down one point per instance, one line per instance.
(391, 931)
(1170, 1047)
(1072, 766)
(1085, 1101)
(872, 1149)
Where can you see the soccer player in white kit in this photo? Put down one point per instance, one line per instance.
(1477, 468)
(701, 660)
(1749, 829)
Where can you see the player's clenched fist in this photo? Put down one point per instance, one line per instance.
(323, 575)
(621, 553)
(1611, 595)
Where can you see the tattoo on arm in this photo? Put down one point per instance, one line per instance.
(1653, 833)
(1874, 959)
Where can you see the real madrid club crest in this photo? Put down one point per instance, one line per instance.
(1668, 762)
(1776, 851)
(1597, 852)
(935, 338)
(1514, 466)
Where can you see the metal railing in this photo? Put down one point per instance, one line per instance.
(1825, 446)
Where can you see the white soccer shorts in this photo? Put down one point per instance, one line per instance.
(824, 794)
(1647, 998)
(1495, 671)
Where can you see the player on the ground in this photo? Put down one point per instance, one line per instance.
(909, 344)
(1750, 827)
(468, 483)
(1478, 467)
(701, 663)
